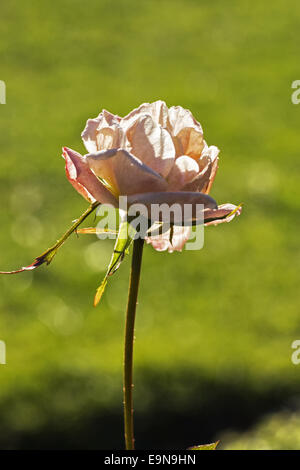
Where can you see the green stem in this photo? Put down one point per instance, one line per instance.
(136, 263)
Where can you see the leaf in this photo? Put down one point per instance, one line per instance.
(49, 254)
(125, 237)
(100, 291)
(211, 446)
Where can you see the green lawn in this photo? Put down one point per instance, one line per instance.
(214, 327)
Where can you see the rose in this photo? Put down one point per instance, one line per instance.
(154, 154)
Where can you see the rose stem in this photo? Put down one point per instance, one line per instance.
(136, 263)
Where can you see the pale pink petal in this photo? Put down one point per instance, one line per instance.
(170, 240)
(89, 134)
(180, 118)
(221, 214)
(93, 126)
(105, 139)
(125, 173)
(184, 170)
(157, 110)
(84, 180)
(152, 144)
(160, 113)
(110, 137)
(208, 164)
(184, 206)
(186, 132)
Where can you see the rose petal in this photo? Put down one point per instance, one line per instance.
(157, 110)
(93, 126)
(180, 118)
(204, 180)
(125, 173)
(220, 215)
(193, 211)
(110, 137)
(84, 180)
(213, 153)
(89, 135)
(171, 242)
(189, 141)
(152, 144)
(184, 170)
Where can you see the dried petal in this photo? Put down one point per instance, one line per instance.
(224, 213)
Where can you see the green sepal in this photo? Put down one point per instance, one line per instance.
(125, 237)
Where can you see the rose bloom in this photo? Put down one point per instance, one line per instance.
(155, 154)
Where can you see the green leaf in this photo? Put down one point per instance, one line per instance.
(125, 237)
(211, 446)
(100, 291)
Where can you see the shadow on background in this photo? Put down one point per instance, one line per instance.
(167, 423)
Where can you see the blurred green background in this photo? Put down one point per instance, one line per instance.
(214, 327)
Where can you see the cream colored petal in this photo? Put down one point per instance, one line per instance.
(179, 118)
(157, 110)
(152, 144)
(93, 126)
(208, 165)
(125, 173)
(160, 113)
(174, 241)
(221, 214)
(105, 138)
(110, 137)
(188, 206)
(184, 170)
(84, 180)
(89, 135)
